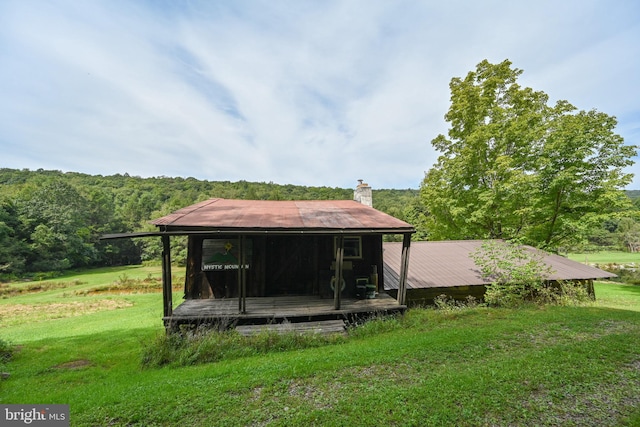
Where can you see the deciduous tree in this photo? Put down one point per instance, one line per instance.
(515, 167)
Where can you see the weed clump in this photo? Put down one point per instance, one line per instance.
(6, 354)
(376, 324)
(6, 351)
(446, 303)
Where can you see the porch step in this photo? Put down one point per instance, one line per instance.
(321, 327)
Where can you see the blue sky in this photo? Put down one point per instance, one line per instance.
(295, 92)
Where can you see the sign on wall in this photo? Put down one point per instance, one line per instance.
(224, 254)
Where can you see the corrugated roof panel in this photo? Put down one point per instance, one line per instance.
(449, 263)
(278, 215)
(177, 215)
(325, 215)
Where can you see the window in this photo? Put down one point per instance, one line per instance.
(352, 247)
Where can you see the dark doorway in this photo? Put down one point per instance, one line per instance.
(291, 265)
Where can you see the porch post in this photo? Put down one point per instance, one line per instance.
(242, 283)
(166, 277)
(337, 285)
(244, 272)
(404, 269)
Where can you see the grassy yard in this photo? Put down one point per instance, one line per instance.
(536, 366)
(607, 257)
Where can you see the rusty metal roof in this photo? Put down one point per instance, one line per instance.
(329, 216)
(448, 263)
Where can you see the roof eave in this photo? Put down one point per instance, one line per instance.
(284, 230)
(186, 231)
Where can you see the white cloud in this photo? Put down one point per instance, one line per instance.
(315, 93)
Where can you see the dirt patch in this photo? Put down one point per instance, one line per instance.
(119, 290)
(14, 314)
(7, 290)
(74, 364)
(566, 334)
(593, 404)
(126, 285)
(635, 365)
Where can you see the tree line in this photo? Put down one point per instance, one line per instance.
(52, 220)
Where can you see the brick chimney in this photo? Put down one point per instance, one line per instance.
(363, 193)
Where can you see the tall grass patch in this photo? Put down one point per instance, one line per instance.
(6, 353)
(212, 345)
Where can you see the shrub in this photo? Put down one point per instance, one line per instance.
(517, 275)
(520, 276)
(564, 293)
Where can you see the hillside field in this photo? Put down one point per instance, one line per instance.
(79, 340)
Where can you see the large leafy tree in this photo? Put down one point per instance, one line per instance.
(13, 248)
(55, 216)
(515, 167)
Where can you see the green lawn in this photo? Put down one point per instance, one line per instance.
(607, 257)
(537, 366)
(67, 311)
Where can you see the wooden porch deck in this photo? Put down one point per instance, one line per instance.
(268, 310)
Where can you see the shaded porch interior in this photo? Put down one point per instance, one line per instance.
(222, 267)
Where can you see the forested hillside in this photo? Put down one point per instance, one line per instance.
(51, 221)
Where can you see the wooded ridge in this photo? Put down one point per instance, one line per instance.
(52, 220)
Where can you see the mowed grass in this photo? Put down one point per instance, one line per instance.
(70, 309)
(535, 366)
(607, 257)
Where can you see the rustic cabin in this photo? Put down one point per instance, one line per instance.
(447, 268)
(269, 262)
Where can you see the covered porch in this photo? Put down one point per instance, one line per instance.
(269, 262)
